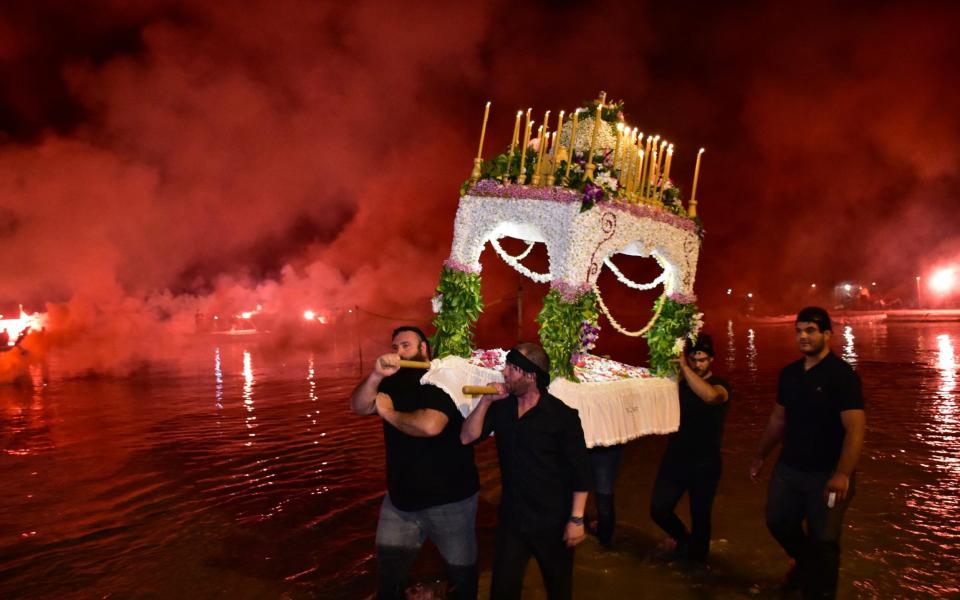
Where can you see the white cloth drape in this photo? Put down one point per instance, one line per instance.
(611, 412)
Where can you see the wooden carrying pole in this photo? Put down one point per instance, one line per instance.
(479, 390)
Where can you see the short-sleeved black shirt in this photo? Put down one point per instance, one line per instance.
(698, 439)
(426, 471)
(543, 460)
(813, 400)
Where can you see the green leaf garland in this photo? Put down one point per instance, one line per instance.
(461, 307)
(560, 329)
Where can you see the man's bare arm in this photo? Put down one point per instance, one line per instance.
(855, 425)
(424, 422)
(364, 396)
(472, 427)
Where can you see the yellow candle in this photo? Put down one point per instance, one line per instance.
(666, 167)
(523, 151)
(663, 146)
(539, 158)
(553, 148)
(637, 166)
(516, 133)
(573, 139)
(696, 176)
(616, 149)
(645, 163)
(483, 130)
(593, 136)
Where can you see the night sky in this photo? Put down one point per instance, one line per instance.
(162, 157)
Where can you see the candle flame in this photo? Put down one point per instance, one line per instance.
(702, 150)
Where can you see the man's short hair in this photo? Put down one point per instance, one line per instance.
(414, 329)
(703, 344)
(535, 353)
(815, 314)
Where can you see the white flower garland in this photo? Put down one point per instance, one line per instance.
(514, 261)
(632, 284)
(618, 326)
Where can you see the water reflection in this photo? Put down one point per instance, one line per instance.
(248, 394)
(731, 347)
(751, 350)
(849, 351)
(218, 378)
(947, 364)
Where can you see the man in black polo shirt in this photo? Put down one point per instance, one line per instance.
(692, 461)
(545, 472)
(432, 480)
(819, 416)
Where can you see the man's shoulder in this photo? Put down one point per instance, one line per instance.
(717, 380)
(792, 368)
(559, 407)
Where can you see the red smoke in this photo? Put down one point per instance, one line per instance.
(166, 157)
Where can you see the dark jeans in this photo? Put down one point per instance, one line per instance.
(700, 482)
(794, 497)
(451, 527)
(605, 463)
(512, 553)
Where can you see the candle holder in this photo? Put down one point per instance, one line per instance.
(477, 168)
(692, 209)
(589, 172)
(505, 176)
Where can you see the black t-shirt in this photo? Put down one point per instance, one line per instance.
(698, 439)
(813, 400)
(543, 460)
(426, 471)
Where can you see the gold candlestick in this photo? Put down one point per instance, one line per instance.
(663, 146)
(573, 139)
(693, 194)
(552, 160)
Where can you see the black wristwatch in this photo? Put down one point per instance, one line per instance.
(576, 520)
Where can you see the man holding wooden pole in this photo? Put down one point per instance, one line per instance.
(432, 480)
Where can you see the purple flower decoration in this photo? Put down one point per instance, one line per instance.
(592, 193)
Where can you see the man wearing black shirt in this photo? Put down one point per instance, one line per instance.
(432, 480)
(820, 419)
(545, 472)
(692, 463)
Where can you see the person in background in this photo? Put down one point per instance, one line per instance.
(691, 463)
(819, 416)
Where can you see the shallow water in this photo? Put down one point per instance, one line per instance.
(240, 474)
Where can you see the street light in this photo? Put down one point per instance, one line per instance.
(918, 291)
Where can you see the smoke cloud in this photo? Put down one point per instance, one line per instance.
(167, 158)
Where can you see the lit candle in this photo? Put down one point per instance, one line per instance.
(646, 162)
(535, 179)
(573, 140)
(616, 149)
(593, 138)
(516, 133)
(523, 152)
(696, 176)
(556, 139)
(637, 167)
(663, 146)
(544, 138)
(483, 130)
(666, 167)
